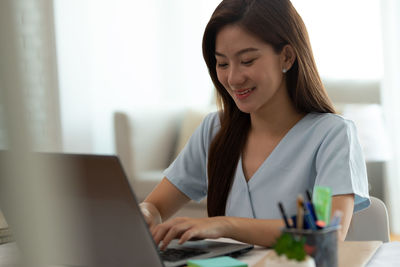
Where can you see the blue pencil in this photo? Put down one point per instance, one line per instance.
(310, 205)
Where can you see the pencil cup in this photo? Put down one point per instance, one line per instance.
(320, 244)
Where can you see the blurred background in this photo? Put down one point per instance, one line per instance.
(127, 77)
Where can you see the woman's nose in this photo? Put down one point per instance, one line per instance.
(236, 77)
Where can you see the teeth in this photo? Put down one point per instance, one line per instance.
(245, 92)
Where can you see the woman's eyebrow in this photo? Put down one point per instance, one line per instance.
(245, 50)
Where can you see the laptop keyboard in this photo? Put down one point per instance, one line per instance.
(172, 254)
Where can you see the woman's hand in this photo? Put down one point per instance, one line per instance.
(188, 228)
(151, 214)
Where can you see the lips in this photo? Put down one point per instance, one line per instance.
(243, 93)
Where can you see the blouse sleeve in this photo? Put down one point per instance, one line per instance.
(341, 166)
(188, 172)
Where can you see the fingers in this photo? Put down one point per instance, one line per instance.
(174, 232)
(190, 234)
(186, 229)
(169, 230)
(208, 228)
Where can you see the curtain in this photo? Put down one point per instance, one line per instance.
(390, 99)
(126, 55)
(27, 44)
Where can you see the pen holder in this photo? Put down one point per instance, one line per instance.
(320, 244)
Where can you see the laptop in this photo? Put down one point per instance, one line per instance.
(104, 225)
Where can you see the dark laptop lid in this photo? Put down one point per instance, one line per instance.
(101, 222)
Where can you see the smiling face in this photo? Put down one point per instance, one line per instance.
(250, 70)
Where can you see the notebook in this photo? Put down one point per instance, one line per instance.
(102, 224)
(356, 253)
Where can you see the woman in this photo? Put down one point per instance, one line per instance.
(275, 136)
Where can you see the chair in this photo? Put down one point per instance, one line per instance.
(371, 223)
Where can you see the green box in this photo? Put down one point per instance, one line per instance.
(224, 261)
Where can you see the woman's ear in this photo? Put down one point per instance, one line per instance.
(288, 56)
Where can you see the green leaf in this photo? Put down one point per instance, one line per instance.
(289, 246)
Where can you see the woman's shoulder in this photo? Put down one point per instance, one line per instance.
(322, 125)
(329, 120)
(212, 117)
(210, 124)
(212, 121)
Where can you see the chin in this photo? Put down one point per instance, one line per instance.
(247, 107)
(243, 109)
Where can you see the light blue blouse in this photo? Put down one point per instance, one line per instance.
(321, 149)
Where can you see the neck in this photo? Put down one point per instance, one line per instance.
(276, 118)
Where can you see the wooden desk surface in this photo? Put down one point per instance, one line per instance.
(350, 254)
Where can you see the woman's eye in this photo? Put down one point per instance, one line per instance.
(247, 62)
(222, 65)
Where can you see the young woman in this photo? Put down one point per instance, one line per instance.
(275, 136)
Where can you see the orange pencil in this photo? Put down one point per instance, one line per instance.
(300, 212)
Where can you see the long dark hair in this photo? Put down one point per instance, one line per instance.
(277, 23)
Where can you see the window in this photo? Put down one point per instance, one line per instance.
(345, 36)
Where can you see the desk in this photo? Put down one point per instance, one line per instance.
(387, 255)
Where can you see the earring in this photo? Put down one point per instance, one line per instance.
(284, 70)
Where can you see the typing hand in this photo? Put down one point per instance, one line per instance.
(189, 228)
(151, 214)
